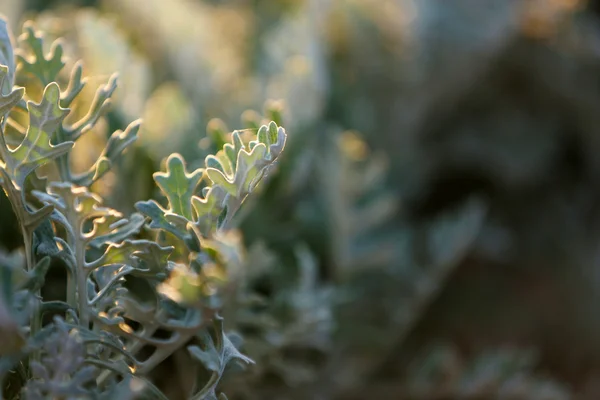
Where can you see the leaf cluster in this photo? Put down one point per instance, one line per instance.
(139, 288)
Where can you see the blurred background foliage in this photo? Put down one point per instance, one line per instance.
(433, 231)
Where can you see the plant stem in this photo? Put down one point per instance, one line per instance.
(82, 275)
(71, 290)
(27, 239)
(36, 320)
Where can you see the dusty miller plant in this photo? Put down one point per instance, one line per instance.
(138, 288)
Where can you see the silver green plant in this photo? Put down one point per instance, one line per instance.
(138, 288)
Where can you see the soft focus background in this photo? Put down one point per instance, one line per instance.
(433, 231)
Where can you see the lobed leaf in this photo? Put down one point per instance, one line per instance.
(45, 67)
(36, 148)
(214, 356)
(178, 185)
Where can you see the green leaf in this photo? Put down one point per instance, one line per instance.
(10, 98)
(248, 167)
(118, 142)
(209, 208)
(44, 243)
(152, 261)
(178, 186)
(76, 85)
(163, 219)
(118, 231)
(37, 276)
(33, 151)
(119, 254)
(97, 109)
(30, 219)
(214, 356)
(78, 206)
(36, 149)
(232, 150)
(209, 358)
(44, 67)
(235, 172)
(249, 170)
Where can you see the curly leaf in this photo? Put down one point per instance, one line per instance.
(9, 100)
(118, 231)
(235, 172)
(76, 85)
(210, 208)
(36, 149)
(248, 170)
(163, 219)
(178, 185)
(85, 219)
(98, 107)
(44, 67)
(118, 142)
(247, 167)
(152, 261)
(33, 151)
(214, 356)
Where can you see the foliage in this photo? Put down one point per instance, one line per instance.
(124, 309)
(433, 220)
